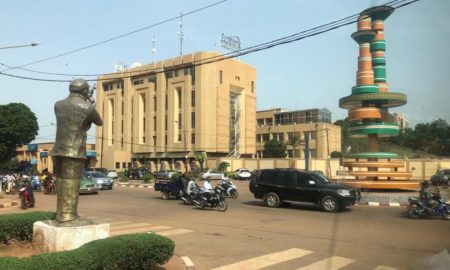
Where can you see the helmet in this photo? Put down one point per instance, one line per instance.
(78, 85)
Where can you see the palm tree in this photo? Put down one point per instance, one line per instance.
(294, 141)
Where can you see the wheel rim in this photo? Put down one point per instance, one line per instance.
(329, 204)
(272, 200)
(413, 213)
(222, 206)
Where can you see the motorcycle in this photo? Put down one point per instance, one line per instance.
(26, 197)
(49, 186)
(189, 198)
(213, 200)
(228, 189)
(417, 208)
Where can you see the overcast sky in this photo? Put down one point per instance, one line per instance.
(311, 73)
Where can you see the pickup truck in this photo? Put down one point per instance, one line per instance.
(164, 174)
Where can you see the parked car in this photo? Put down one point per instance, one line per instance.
(276, 186)
(137, 173)
(113, 174)
(88, 186)
(101, 179)
(441, 177)
(165, 174)
(102, 170)
(211, 174)
(242, 174)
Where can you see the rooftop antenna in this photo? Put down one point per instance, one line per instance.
(153, 48)
(181, 34)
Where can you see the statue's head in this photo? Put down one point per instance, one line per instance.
(80, 86)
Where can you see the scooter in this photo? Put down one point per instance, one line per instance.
(417, 208)
(26, 197)
(209, 199)
(50, 187)
(228, 189)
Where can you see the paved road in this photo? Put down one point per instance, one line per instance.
(251, 236)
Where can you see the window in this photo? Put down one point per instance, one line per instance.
(154, 123)
(237, 78)
(220, 76)
(167, 102)
(180, 103)
(154, 141)
(152, 79)
(252, 86)
(117, 165)
(192, 71)
(302, 179)
(124, 165)
(186, 71)
(175, 72)
(265, 137)
(137, 82)
(192, 119)
(154, 103)
(289, 178)
(193, 98)
(193, 138)
(269, 176)
(165, 123)
(119, 85)
(269, 121)
(260, 122)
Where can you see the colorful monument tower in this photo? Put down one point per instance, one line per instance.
(368, 107)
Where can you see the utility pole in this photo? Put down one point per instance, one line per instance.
(307, 153)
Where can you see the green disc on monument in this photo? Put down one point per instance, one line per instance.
(362, 89)
(378, 45)
(374, 155)
(379, 61)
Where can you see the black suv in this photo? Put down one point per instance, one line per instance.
(276, 186)
(441, 177)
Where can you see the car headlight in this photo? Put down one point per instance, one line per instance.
(343, 192)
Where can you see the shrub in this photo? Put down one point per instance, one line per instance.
(230, 175)
(123, 176)
(20, 226)
(147, 177)
(223, 166)
(132, 251)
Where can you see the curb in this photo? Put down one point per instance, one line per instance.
(392, 204)
(8, 204)
(134, 185)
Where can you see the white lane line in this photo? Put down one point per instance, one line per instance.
(383, 267)
(266, 260)
(174, 232)
(129, 226)
(331, 263)
(138, 230)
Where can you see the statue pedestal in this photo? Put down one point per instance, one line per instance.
(50, 236)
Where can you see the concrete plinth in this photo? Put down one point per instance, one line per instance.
(50, 237)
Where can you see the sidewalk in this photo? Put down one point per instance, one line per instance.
(395, 198)
(7, 200)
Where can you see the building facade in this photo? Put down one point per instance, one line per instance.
(283, 125)
(36, 155)
(162, 114)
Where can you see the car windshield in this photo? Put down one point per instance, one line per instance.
(320, 178)
(97, 174)
(245, 170)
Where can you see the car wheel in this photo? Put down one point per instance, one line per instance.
(272, 200)
(329, 204)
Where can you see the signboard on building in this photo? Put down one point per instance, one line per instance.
(230, 43)
(32, 147)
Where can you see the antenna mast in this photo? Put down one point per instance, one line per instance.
(181, 34)
(153, 48)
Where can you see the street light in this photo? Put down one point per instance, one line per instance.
(33, 44)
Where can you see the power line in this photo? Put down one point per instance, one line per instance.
(264, 46)
(120, 36)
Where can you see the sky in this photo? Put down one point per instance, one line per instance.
(310, 73)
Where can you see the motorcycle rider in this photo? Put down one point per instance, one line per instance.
(191, 186)
(426, 195)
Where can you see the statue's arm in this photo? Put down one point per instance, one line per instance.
(96, 119)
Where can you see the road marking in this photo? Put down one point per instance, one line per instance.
(382, 267)
(374, 204)
(267, 260)
(174, 232)
(129, 226)
(139, 230)
(331, 263)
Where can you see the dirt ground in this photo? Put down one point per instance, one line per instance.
(18, 249)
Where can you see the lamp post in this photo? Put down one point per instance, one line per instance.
(33, 44)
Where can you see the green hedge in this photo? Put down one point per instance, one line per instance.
(133, 251)
(20, 226)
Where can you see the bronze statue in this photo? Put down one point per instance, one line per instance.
(74, 116)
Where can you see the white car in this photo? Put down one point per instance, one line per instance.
(113, 174)
(242, 174)
(211, 174)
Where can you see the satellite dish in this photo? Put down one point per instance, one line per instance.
(136, 64)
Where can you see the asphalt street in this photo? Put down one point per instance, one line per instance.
(251, 236)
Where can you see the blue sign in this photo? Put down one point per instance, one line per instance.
(91, 154)
(32, 147)
(33, 161)
(43, 154)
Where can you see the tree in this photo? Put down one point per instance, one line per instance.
(18, 126)
(336, 154)
(201, 156)
(223, 166)
(294, 142)
(274, 149)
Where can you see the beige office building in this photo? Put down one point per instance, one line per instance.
(162, 114)
(284, 124)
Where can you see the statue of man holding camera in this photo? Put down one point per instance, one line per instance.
(74, 116)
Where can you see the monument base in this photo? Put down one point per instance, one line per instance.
(50, 236)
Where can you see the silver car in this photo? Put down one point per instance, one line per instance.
(101, 179)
